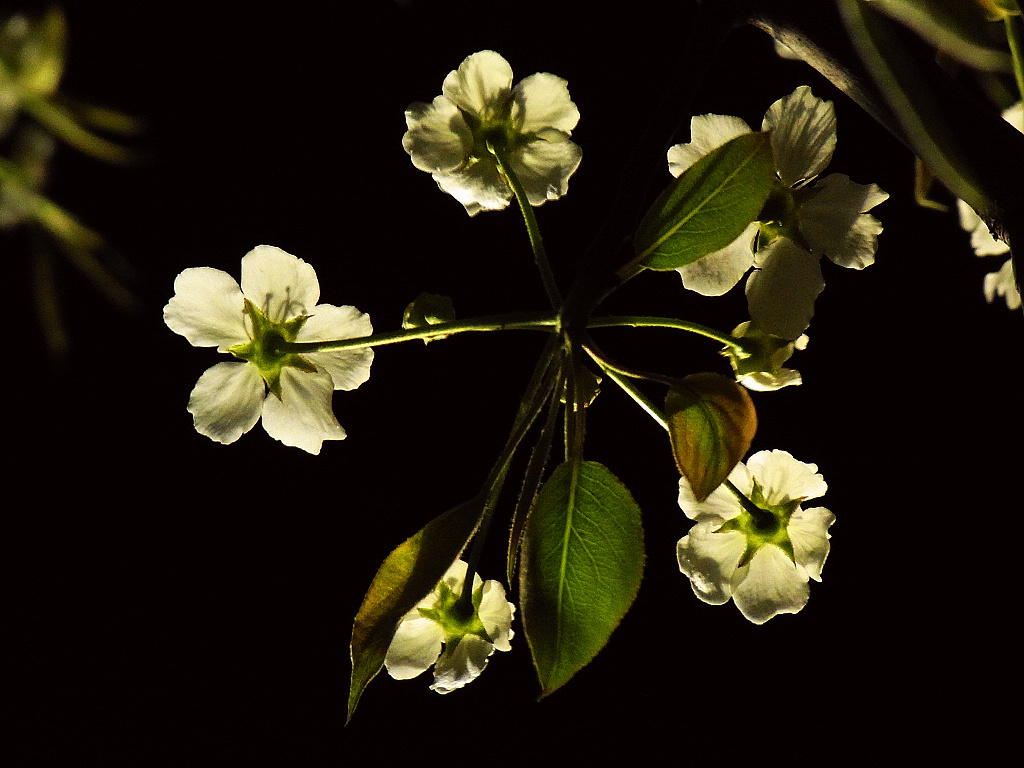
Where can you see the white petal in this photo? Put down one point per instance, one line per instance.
(495, 614)
(542, 101)
(772, 584)
(227, 401)
(707, 133)
(709, 560)
(478, 186)
(438, 139)
(783, 478)
(281, 285)
(781, 293)
(347, 369)
(721, 505)
(544, 168)
(1015, 116)
(715, 273)
(481, 85)
(803, 135)
(462, 664)
(808, 532)
(207, 309)
(835, 223)
(983, 241)
(302, 417)
(1004, 284)
(415, 646)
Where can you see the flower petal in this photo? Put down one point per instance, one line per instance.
(808, 533)
(348, 369)
(481, 85)
(207, 309)
(803, 135)
(721, 505)
(1003, 283)
(542, 101)
(478, 186)
(302, 417)
(415, 646)
(544, 167)
(282, 285)
(781, 293)
(227, 401)
(717, 272)
(707, 133)
(461, 664)
(771, 585)
(438, 139)
(495, 614)
(783, 478)
(709, 560)
(983, 241)
(835, 222)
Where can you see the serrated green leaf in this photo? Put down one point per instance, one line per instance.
(583, 558)
(709, 205)
(405, 577)
(711, 423)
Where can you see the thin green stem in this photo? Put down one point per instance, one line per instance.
(762, 517)
(621, 377)
(532, 321)
(63, 125)
(665, 322)
(1016, 43)
(532, 229)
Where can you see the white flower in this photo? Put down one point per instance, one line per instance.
(277, 302)
(985, 244)
(827, 218)
(762, 563)
(530, 124)
(468, 640)
(760, 366)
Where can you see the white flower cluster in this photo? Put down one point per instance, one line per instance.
(277, 302)
(807, 220)
(479, 112)
(468, 641)
(761, 563)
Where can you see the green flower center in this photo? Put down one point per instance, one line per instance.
(265, 349)
(779, 216)
(452, 616)
(770, 526)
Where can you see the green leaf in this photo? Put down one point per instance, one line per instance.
(583, 558)
(405, 577)
(709, 205)
(711, 423)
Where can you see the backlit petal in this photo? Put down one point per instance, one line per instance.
(835, 222)
(438, 139)
(542, 101)
(415, 646)
(481, 85)
(227, 401)
(207, 309)
(302, 417)
(781, 293)
(717, 272)
(808, 532)
(772, 584)
(348, 369)
(707, 133)
(803, 135)
(461, 664)
(281, 285)
(709, 560)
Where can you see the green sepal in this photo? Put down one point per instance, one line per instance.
(711, 424)
(709, 205)
(757, 532)
(407, 575)
(583, 559)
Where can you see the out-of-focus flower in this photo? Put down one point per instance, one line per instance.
(799, 221)
(478, 114)
(1002, 281)
(761, 561)
(760, 366)
(469, 638)
(277, 302)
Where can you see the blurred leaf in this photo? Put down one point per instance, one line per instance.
(583, 558)
(408, 574)
(709, 205)
(711, 423)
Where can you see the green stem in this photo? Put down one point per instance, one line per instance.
(665, 322)
(1016, 43)
(762, 517)
(619, 376)
(534, 321)
(63, 125)
(532, 229)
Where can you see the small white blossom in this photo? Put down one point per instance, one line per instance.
(983, 242)
(827, 218)
(277, 302)
(531, 123)
(468, 641)
(760, 366)
(763, 565)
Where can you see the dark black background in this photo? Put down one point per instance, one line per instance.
(181, 602)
